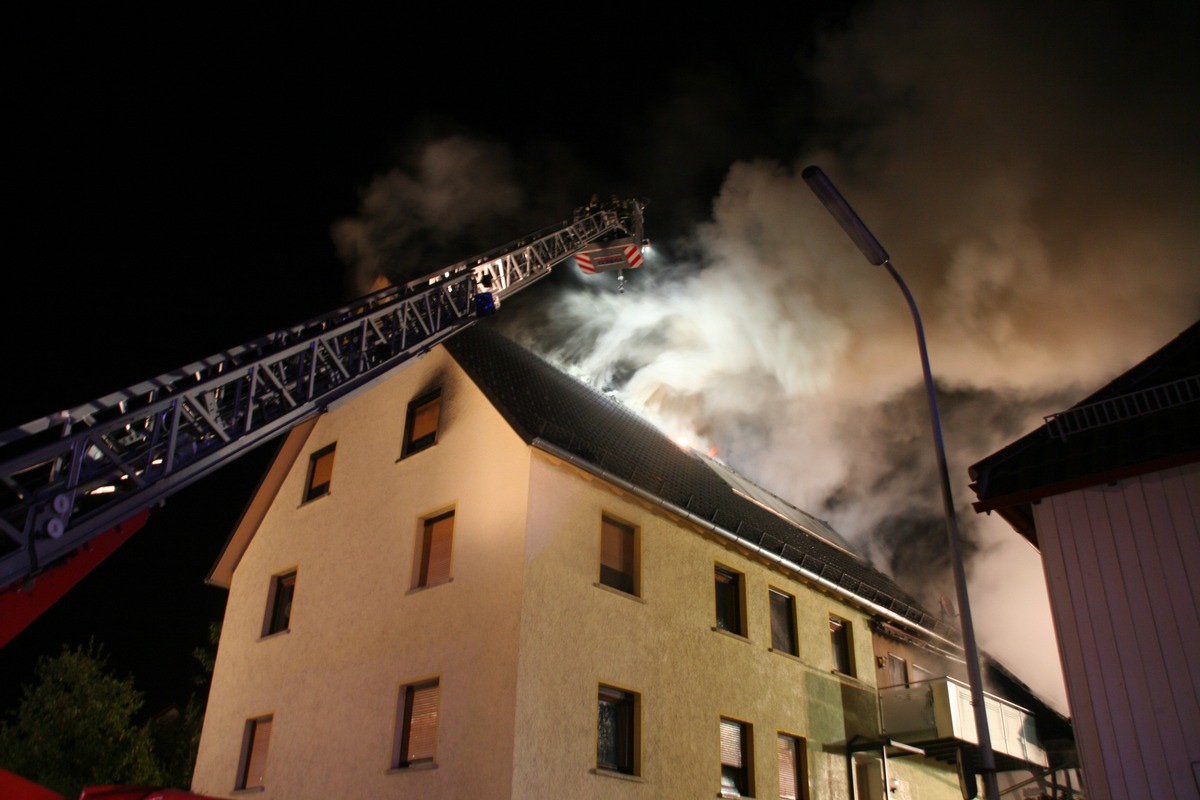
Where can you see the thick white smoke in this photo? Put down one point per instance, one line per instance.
(1031, 170)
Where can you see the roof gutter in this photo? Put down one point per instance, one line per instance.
(700, 522)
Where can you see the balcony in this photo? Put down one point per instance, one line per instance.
(937, 716)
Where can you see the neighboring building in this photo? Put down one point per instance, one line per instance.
(480, 578)
(1109, 492)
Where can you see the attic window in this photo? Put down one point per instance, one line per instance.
(421, 425)
(320, 473)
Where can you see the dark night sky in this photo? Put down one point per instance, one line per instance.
(177, 181)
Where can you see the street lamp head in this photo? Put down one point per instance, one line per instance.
(832, 199)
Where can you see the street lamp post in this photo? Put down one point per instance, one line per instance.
(832, 199)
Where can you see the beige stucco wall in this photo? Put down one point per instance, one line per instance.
(576, 635)
(358, 631)
(520, 639)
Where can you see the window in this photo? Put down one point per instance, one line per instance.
(839, 635)
(417, 724)
(618, 555)
(736, 759)
(279, 604)
(255, 742)
(897, 669)
(421, 425)
(320, 472)
(729, 600)
(616, 731)
(783, 623)
(436, 542)
(791, 757)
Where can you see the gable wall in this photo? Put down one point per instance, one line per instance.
(359, 631)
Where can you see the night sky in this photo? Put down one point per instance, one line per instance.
(185, 184)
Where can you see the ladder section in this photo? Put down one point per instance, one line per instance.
(70, 476)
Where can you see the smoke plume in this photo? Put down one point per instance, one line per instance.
(1031, 171)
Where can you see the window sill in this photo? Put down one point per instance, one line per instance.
(428, 586)
(308, 502)
(619, 592)
(275, 635)
(621, 776)
(410, 454)
(735, 794)
(785, 654)
(730, 634)
(250, 790)
(422, 767)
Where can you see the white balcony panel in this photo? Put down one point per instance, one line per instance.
(941, 709)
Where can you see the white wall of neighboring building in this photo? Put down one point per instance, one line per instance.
(1122, 564)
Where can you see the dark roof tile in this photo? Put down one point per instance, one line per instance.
(541, 402)
(1146, 418)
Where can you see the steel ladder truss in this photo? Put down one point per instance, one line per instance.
(70, 476)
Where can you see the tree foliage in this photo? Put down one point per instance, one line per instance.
(77, 726)
(176, 733)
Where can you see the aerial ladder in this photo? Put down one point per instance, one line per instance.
(93, 471)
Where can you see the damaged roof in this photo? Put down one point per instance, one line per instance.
(555, 412)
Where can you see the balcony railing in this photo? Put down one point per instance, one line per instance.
(939, 712)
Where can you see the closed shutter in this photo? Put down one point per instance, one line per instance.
(423, 720)
(256, 760)
(731, 743)
(788, 783)
(735, 771)
(320, 473)
(421, 426)
(425, 420)
(438, 546)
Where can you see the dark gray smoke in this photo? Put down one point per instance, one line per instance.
(1031, 168)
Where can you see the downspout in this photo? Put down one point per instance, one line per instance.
(700, 522)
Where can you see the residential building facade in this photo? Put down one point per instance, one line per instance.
(481, 578)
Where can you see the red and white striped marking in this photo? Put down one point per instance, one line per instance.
(629, 257)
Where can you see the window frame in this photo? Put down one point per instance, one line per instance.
(741, 776)
(792, 647)
(255, 749)
(406, 707)
(799, 750)
(627, 738)
(841, 639)
(731, 589)
(632, 577)
(425, 554)
(282, 590)
(314, 491)
(413, 446)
